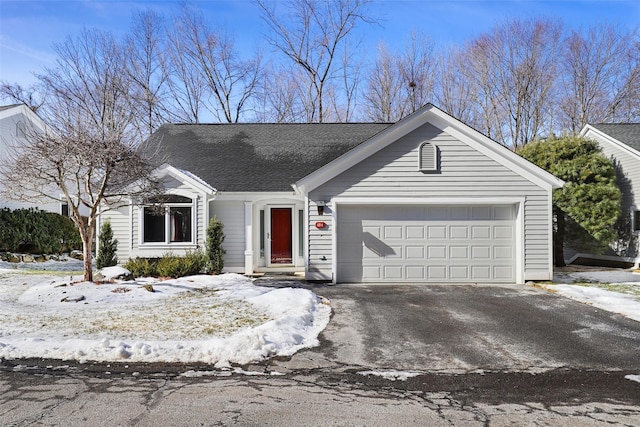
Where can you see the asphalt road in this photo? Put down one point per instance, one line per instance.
(477, 355)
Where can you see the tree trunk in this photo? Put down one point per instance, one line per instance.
(87, 240)
(558, 238)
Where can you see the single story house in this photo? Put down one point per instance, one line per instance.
(621, 143)
(426, 199)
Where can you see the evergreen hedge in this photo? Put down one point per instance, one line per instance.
(37, 232)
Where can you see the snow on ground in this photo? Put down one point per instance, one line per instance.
(213, 319)
(617, 291)
(65, 264)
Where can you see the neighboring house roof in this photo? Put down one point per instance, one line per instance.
(627, 133)
(447, 123)
(15, 109)
(256, 156)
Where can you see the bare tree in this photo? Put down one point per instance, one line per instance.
(312, 36)
(401, 83)
(31, 96)
(598, 78)
(454, 93)
(89, 152)
(383, 97)
(145, 66)
(417, 65)
(186, 83)
(278, 99)
(229, 80)
(514, 67)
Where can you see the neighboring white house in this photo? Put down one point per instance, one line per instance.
(16, 122)
(621, 142)
(427, 199)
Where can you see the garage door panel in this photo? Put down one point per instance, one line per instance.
(415, 232)
(480, 232)
(426, 243)
(459, 232)
(437, 231)
(458, 272)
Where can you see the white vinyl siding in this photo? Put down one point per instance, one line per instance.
(231, 214)
(629, 182)
(464, 173)
(120, 224)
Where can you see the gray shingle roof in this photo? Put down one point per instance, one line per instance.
(628, 133)
(257, 156)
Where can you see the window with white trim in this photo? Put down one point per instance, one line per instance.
(173, 223)
(428, 157)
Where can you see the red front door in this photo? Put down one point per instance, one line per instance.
(281, 239)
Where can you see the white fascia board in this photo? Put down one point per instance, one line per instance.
(250, 196)
(167, 169)
(490, 200)
(589, 132)
(495, 151)
(363, 151)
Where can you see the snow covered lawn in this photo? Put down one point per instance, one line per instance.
(617, 291)
(213, 319)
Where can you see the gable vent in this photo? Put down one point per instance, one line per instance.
(428, 157)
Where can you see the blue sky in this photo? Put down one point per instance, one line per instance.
(29, 28)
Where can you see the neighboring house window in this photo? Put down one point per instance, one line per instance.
(428, 157)
(64, 209)
(174, 224)
(636, 220)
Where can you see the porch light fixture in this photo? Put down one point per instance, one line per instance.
(321, 204)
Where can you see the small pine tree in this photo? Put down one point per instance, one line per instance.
(108, 247)
(215, 252)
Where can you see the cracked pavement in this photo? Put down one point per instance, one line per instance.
(479, 356)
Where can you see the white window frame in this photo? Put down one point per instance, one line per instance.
(167, 223)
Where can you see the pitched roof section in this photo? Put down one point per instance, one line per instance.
(627, 133)
(447, 123)
(258, 156)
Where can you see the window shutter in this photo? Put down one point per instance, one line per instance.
(428, 157)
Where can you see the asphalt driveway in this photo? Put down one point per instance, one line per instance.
(463, 328)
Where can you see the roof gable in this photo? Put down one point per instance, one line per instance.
(255, 157)
(185, 177)
(625, 136)
(446, 123)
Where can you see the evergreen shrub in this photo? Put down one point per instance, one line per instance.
(37, 232)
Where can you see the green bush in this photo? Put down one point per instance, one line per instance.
(142, 267)
(108, 247)
(215, 252)
(169, 265)
(35, 231)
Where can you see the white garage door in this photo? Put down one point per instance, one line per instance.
(409, 243)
